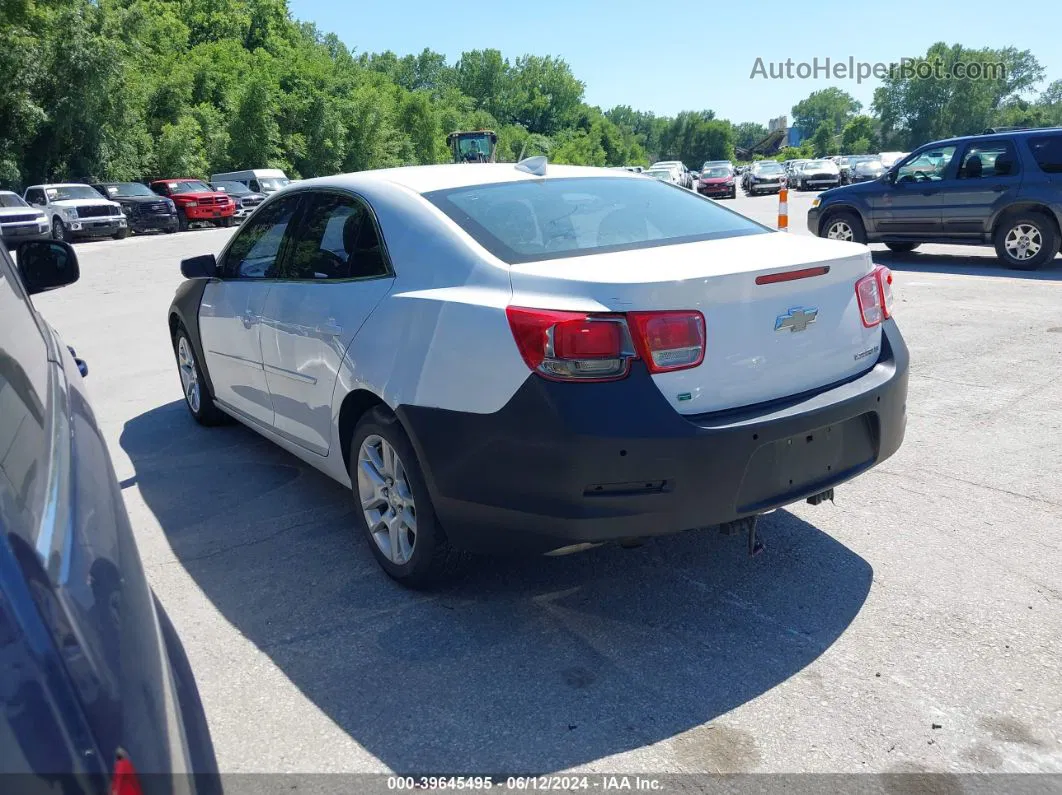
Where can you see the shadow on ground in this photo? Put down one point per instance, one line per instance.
(523, 666)
(973, 264)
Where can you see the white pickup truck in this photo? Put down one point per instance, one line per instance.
(77, 210)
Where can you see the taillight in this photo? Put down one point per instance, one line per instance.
(874, 293)
(582, 346)
(124, 781)
(669, 340)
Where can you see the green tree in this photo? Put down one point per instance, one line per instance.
(827, 105)
(822, 140)
(749, 133)
(859, 128)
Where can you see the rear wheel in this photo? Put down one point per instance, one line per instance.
(395, 511)
(1026, 241)
(902, 248)
(196, 395)
(844, 226)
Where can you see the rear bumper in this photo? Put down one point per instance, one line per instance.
(564, 464)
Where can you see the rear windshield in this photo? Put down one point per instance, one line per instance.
(555, 218)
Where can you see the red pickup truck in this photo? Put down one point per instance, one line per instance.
(196, 201)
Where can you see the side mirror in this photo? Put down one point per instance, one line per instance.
(201, 267)
(46, 265)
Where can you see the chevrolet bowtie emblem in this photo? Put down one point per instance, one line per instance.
(798, 318)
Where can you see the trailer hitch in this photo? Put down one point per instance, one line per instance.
(747, 525)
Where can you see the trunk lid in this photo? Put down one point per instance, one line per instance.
(764, 341)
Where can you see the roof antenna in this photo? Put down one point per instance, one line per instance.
(533, 165)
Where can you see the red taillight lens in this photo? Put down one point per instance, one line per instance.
(874, 292)
(572, 346)
(125, 781)
(669, 340)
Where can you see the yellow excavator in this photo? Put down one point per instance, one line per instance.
(473, 146)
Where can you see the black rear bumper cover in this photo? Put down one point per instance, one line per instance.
(564, 464)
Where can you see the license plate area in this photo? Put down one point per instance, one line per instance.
(800, 464)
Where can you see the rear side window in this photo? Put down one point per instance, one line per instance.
(1047, 151)
(529, 221)
(992, 159)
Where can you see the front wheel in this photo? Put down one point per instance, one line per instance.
(182, 222)
(196, 395)
(1026, 241)
(59, 230)
(902, 248)
(225, 222)
(395, 511)
(121, 234)
(844, 226)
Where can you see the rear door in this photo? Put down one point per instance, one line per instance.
(331, 278)
(911, 205)
(231, 311)
(986, 176)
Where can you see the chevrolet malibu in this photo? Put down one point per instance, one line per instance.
(541, 358)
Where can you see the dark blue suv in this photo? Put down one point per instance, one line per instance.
(1003, 189)
(96, 694)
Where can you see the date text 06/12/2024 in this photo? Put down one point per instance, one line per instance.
(603, 783)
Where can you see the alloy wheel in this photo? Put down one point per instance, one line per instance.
(840, 230)
(387, 499)
(189, 375)
(1023, 242)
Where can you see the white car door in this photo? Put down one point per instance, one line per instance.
(332, 276)
(231, 312)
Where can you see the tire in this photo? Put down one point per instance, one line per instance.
(1035, 230)
(225, 223)
(182, 222)
(59, 230)
(121, 234)
(197, 397)
(834, 225)
(902, 248)
(424, 557)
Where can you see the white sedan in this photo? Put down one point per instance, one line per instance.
(541, 358)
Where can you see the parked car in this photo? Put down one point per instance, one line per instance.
(245, 198)
(77, 211)
(145, 210)
(816, 174)
(1003, 190)
(583, 293)
(866, 170)
(889, 159)
(258, 180)
(671, 175)
(196, 201)
(717, 181)
(96, 693)
(19, 222)
(764, 176)
(685, 180)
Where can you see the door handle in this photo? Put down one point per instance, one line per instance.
(329, 329)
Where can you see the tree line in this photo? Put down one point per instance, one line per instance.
(133, 89)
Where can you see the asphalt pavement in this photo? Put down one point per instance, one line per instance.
(913, 626)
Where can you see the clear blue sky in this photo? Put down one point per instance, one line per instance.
(686, 55)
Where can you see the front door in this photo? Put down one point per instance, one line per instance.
(332, 277)
(988, 175)
(910, 205)
(231, 312)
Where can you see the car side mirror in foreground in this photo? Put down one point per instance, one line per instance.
(204, 266)
(46, 265)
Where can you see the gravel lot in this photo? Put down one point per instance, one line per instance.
(911, 627)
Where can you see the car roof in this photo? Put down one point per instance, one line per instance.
(425, 179)
(989, 136)
(59, 185)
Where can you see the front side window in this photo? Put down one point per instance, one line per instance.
(1047, 152)
(35, 196)
(337, 240)
(528, 221)
(926, 166)
(254, 251)
(990, 159)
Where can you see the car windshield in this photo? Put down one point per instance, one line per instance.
(659, 173)
(530, 221)
(770, 167)
(869, 165)
(273, 183)
(11, 200)
(235, 188)
(191, 186)
(716, 171)
(129, 189)
(820, 164)
(62, 192)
